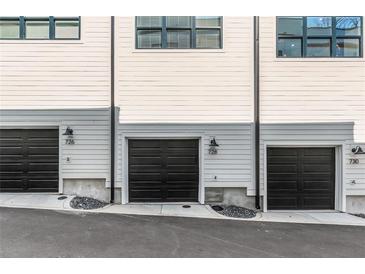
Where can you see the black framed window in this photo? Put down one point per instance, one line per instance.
(319, 36)
(40, 28)
(179, 32)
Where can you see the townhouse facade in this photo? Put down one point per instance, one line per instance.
(166, 109)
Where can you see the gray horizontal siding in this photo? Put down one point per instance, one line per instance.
(318, 133)
(233, 163)
(90, 155)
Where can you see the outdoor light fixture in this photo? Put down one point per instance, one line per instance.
(68, 132)
(357, 150)
(213, 146)
(70, 136)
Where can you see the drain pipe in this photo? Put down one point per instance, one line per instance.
(257, 108)
(112, 114)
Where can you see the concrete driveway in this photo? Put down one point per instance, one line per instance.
(45, 233)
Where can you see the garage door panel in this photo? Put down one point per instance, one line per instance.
(43, 167)
(144, 168)
(285, 169)
(145, 160)
(13, 183)
(43, 150)
(145, 152)
(148, 176)
(29, 160)
(174, 176)
(319, 202)
(316, 185)
(279, 186)
(282, 202)
(282, 160)
(317, 169)
(176, 170)
(10, 151)
(181, 143)
(182, 160)
(145, 144)
(189, 152)
(11, 167)
(310, 184)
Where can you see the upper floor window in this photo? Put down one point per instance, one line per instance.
(314, 36)
(40, 28)
(179, 32)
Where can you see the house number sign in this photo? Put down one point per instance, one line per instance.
(354, 161)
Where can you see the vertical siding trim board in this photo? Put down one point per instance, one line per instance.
(340, 191)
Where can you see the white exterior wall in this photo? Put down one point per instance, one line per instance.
(55, 74)
(191, 85)
(54, 83)
(297, 90)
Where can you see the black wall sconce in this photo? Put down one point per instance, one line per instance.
(357, 150)
(213, 146)
(70, 136)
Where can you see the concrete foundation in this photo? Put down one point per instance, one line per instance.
(94, 188)
(229, 196)
(355, 204)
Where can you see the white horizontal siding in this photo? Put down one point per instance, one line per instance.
(233, 163)
(316, 90)
(58, 74)
(90, 155)
(186, 85)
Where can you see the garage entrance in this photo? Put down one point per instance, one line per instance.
(163, 170)
(300, 178)
(28, 160)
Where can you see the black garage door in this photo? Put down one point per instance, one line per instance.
(28, 160)
(301, 178)
(163, 170)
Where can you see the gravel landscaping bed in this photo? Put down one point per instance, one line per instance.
(234, 211)
(86, 203)
(361, 215)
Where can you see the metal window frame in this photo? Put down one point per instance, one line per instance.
(164, 29)
(52, 25)
(333, 38)
(20, 26)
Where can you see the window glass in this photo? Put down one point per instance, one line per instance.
(207, 21)
(149, 39)
(208, 38)
(319, 26)
(290, 26)
(289, 47)
(149, 21)
(37, 29)
(67, 29)
(178, 21)
(9, 29)
(348, 47)
(348, 26)
(178, 39)
(318, 47)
